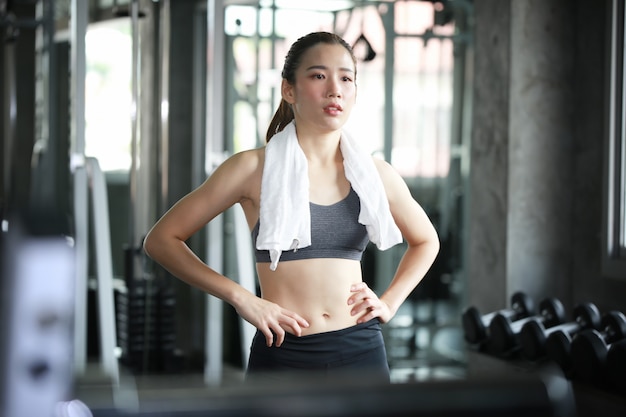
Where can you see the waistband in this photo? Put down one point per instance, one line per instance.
(323, 348)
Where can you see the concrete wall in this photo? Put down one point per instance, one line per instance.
(537, 153)
(487, 226)
(541, 145)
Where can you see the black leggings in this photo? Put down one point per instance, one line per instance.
(356, 349)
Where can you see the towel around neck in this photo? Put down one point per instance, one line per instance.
(285, 218)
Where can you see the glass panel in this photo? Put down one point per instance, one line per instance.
(413, 18)
(368, 117)
(108, 95)
(240, 20)
(422, 97)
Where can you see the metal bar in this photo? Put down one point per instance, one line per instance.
(164, 58)
(246, 273)
(78, 30)
(390, 42)
(44, 189)
(214, 312)
(198, 171)
(385, 259)
(135, 114)
(215, 153)
(104, 270)
(9, 122)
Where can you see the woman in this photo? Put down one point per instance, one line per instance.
(315, 312)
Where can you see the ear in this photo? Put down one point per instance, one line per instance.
(287, 92)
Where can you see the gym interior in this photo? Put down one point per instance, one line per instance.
(506, 119)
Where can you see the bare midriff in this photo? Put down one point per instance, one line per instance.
(316, 289)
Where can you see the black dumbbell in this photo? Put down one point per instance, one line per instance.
(590, 347)
(475, 325)
(504, 332)
(534, 334)
(616, 364)
(559, 350)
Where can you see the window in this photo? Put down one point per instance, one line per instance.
(108, 94)
(422, 70)
(614, 256)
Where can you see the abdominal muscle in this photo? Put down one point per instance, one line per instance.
(316, 289)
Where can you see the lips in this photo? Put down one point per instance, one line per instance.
(333, 108)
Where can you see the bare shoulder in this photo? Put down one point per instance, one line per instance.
(246, 162)
(408, 214)
(238, 177)
(241, 167)
(394, 184)
(384, 168)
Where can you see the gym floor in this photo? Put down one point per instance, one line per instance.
(424, 343)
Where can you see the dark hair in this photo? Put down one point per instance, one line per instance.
(284, 114)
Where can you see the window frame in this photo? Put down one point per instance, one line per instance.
(614, 213)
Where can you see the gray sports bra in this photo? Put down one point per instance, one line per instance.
(335, 233)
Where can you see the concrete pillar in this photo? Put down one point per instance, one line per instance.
(541, 148)
(486, 269)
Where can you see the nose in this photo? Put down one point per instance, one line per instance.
(334, 88)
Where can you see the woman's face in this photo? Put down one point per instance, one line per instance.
(325, 89)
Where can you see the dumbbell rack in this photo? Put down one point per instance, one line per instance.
(592, 345)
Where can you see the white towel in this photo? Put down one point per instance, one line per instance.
(285, 217)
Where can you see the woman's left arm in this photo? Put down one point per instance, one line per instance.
(422, 249)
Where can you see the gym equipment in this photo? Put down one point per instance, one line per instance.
(616, 364)
(475, 326)
(534, 334)
(504, 332)
(559, 350)
(590, 347)
(37, 269)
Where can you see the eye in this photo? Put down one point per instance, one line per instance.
(346, 78)
(318, 76)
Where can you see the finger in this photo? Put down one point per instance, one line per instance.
(360, 291)
(292, 326)
(366, 305)
(302, 321)
(280, 336)
(356, 296)
(294, 322)
(297, 319)
(370, 313)
(360, 286)
(269, 337)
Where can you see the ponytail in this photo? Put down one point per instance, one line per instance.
(282, 117)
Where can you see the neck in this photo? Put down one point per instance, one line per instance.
(321, 149)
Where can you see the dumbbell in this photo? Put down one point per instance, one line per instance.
(590, 347)
(616, 364)
(534, 335)
(504, 332)
(559, 350)
(475, 325)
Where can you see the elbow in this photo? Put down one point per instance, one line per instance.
(434, 247)
(149, 245)
(430, 245)
(436, 244)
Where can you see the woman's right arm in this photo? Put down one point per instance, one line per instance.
(166, 244)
